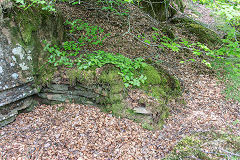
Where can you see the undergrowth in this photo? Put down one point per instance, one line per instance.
(70, 54)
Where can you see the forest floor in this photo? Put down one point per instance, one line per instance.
(84, 132)
(72, 131)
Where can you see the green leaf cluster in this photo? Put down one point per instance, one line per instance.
(93, 35)
(114, 6)
(44, 4)
(69, 54)
(128, 68)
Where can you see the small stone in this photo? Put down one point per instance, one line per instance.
(47, 145)
(57, 136)
(2, 133)
(142, 110)
(15, 76)
(1, 70)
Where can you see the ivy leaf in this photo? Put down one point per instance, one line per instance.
(155, 29)
(147, 41)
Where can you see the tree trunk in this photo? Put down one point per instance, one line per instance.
(162, 10)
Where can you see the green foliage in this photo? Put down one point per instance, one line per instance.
(115, 6)
(229, 72)
(164, 42)
(126, 65)
(69, 54)
(44, 4)
(229, 10)
(228, 56)
(90, 35)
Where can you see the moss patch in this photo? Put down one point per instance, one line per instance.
(154, 77)
(110, 75)
(158, 85)
(207, 145)
(198, 30)
(204, 35)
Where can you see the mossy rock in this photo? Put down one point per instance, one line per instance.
(159, 83)
(204, 35)
(198, 30)
(85, 77)
(115, 98)
(110, 75)
(112, 97)
(29, 28)
(194, 146)
(154, 77)
(116, 109)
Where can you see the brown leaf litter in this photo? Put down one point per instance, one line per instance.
(84, 132)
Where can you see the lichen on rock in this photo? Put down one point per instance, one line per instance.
(21, 52)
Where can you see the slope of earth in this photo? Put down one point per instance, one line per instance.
(71, 131)
(205, 15)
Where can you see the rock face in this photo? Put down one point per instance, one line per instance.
(15, 70)
(20, 51)
(16, 76)
(60, 93)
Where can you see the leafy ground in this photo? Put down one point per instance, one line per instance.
(206, 126)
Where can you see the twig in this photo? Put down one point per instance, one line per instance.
(233, 154)
(129, 32)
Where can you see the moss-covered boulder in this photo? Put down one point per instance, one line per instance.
(198, 30)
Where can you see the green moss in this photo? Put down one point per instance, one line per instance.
(195, 145)
(158, 92)
(117, 88)
(147, 126)
(154, 77)
(114, 98)
(28, 21)
(110, 76)
(116, 109)
(187, 147)
(83, 76)
(198, 30)
(73, 75)
(204, 35)
(87, 76)
(44, 74)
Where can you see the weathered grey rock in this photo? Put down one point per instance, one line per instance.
(16, 73)
(21, 53)
(64, 98)
(58, 87)
(16, 93)
(142, 110)
(15, 70)
(67, 90)
(9, 112)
